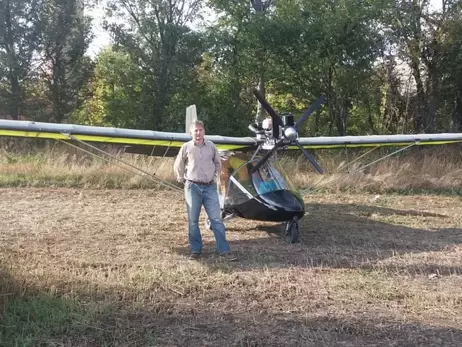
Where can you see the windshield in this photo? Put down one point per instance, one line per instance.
(238, 185)
(283, 178)
(269, 179)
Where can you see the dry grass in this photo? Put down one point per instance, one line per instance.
(437, 169)
(62, 166)
(433, 169)
(109, 268)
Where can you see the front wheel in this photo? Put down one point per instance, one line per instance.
(292, 232)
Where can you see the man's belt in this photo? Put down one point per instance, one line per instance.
(202, 183)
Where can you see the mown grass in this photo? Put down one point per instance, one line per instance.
(84, 265)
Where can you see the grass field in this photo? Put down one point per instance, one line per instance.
(98, 267)
(92, 254)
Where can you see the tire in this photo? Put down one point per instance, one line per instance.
(294, 233)
(291, 231)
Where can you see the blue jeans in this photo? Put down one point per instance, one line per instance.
(197, 195)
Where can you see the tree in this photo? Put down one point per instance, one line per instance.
(325, 48)
(65, 36)
(166, 50)
(115, 91)
(451, 71)
(261, 8)
(18, 43)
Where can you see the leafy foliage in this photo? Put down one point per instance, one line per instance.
(385, 66)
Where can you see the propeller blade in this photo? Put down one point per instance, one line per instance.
(313, 107)
(276, 118)
(310, 158)
(267, 156)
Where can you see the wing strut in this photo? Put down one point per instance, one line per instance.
(385, 157)
(361, 156)
(165, 153)
(144, 173)
(319, 185)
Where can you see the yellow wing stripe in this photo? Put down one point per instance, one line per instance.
(397, 144)
(106, 139)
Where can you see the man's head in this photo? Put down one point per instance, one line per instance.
(197, 131)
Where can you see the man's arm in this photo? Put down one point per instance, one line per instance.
(179, 165)
(217, 160)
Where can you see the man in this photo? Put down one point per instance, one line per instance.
(196, 165)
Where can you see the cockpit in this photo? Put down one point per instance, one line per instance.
(239, 184)
(265, 180)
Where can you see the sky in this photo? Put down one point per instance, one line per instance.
(103, 39)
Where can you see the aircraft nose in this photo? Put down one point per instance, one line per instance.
(290, 133)
(284, 199)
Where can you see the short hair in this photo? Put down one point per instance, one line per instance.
(196, 123)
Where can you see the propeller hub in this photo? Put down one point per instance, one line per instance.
(290, 133)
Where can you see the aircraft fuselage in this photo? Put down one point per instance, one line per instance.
(274, 206)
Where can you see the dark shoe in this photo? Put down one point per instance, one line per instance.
(228, 256)
(194, 256)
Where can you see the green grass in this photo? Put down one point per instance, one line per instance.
(51, 320)
(42, 319)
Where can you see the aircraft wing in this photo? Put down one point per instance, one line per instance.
(328, 142)
(161, 143)
(135, 141)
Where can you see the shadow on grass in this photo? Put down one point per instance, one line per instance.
(212, 328)
(343, 236)
(38, 319)
(35, 317)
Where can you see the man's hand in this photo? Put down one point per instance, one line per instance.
(180, 179)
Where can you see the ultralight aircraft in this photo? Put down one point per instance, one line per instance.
(257, 188)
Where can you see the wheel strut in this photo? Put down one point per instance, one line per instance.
(292, 232)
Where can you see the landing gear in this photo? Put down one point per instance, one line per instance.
(291, 232)
(208, 224)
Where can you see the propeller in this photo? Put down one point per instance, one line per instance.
(313, 107)
(310, 157)
(290, 133)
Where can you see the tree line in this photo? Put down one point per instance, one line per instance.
(384, 66)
